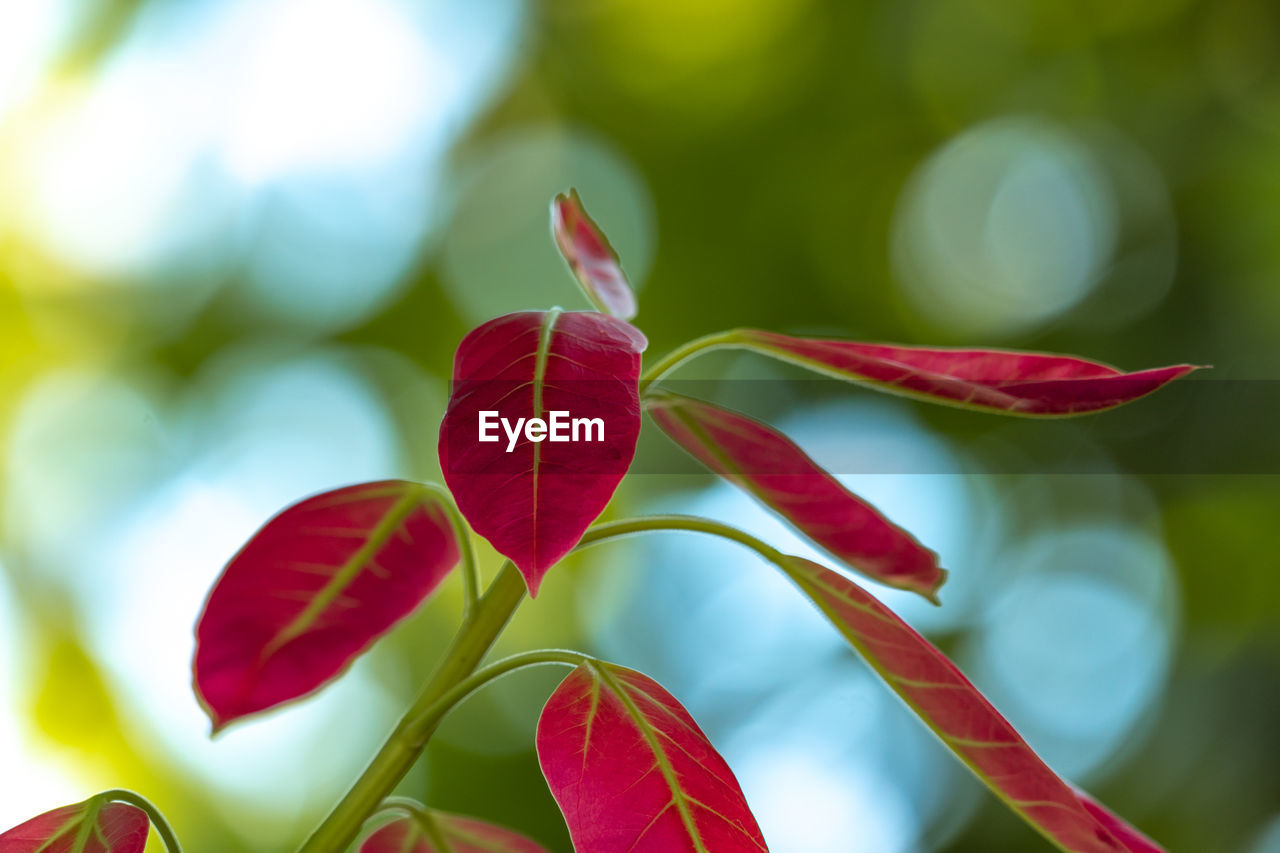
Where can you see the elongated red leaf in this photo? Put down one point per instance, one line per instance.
(439, 832)
(961, 716)
(528, 492)
(593, 261)
(632, 771)
(1134, 841)
(89, 827)
(313, 589)
(780, 475)
(1005, 381)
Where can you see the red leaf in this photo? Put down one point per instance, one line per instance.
(533, 499)
(632, 771)
(593, 261)
(961, 716)
(439, 832)
(1134, 841)
(313, 589)
(780, 475)
(1017, 383)
(89, 827)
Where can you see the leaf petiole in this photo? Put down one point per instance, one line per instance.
(432, 716)
(157, 818)
(462, 531)
(683, 353)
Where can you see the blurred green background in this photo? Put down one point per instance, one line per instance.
(239, 240)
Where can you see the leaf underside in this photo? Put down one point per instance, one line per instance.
(440, 832)
(963, 719)
(88, 827)
(313, 589)
(780, 475)
(632, 771)
(1001, 381)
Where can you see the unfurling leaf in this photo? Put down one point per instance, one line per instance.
(430, 831)
(962, 717)
(558, 391)
(1004, 381)
(313, 589)
(93, 826)
(780, 475)
(632, 771)
(593, 261)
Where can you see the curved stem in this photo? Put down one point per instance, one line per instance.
(401, 750)
(421, 815)
(689, 523)
(454, 679)
(684, 352)
(446, 703)
(467, 552)
(157, 818)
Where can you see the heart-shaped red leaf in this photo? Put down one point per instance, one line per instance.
(1005, 381)
(313, 589)
(780, 475)
(593, 261)
(89, 827)
(632, 771)
(430, 831)
(528, 492)
(961, 716)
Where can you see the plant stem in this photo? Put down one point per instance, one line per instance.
(472, 642)
(162, 827)
(433, 715)
(467, 553)
(690, 523)
(456, 677)
(683, 353)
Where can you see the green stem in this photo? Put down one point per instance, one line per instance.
(684, 352)
(457, 678)
(162, 827)
(402, 748)
(470, 574)
(690, 523)
(420, 815)
(446, 703)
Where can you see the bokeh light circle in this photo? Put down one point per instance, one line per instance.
(1009, 225)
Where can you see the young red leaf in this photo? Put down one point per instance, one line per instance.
(528, 492)
(93, 826)
(431, 831)
(1004, 381)
(780, 475)
(961, 716)
(313, 589)
(593, 261)
(1134, 841)
(632, 771)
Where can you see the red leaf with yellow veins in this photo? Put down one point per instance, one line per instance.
(962, 717)
(780, 475)
(89, 827)
(313, 589)
(1134, 841)
(632, 771)
(593, 261)
(1003, 381)
(541, 427)
(430, 831)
